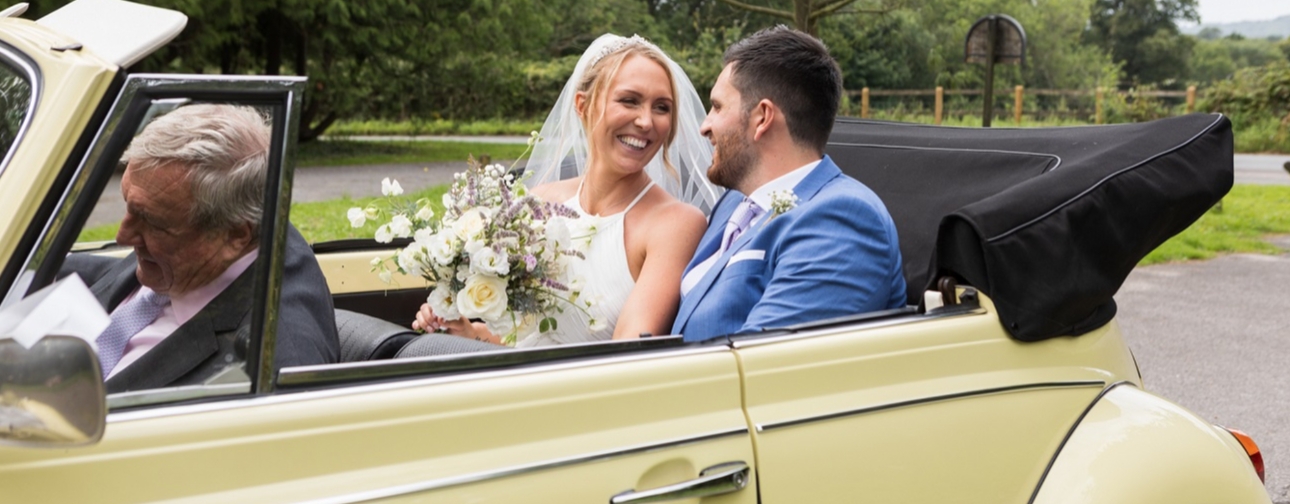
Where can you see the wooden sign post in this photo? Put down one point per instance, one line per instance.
(996, 38)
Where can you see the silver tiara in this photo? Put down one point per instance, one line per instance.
(617, 44)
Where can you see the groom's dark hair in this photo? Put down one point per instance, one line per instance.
(793, 70)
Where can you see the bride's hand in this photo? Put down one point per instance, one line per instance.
(429, 322)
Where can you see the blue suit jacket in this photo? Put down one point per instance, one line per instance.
(835, 254)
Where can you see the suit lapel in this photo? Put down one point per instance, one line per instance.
(707, 246)
(711, 240)
(191, 344)
(805, 190)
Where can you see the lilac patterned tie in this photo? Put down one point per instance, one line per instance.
(744, 215)
(127, 321)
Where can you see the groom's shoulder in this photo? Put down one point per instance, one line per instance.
(845, 193)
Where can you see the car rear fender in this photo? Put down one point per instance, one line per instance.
(1132, 446)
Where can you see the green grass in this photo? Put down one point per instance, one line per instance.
(349, 152)
(322, 221)
(1248, 214)
(318, 221)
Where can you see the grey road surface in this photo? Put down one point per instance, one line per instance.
(1214, 336)
(1262, 169)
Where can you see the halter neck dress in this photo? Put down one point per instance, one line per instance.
(606, 279)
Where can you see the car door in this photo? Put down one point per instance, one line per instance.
(909, 407)
(586, 423)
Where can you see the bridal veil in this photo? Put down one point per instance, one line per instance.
(562, 151)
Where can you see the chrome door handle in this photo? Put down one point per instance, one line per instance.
(716, 480)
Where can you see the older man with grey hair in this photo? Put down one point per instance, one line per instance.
(181, 303)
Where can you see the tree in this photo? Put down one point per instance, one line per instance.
(806, 14)
(1143, 37)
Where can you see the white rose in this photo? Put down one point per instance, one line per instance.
(489, 262)
(473, 246)
(470, 224)
(401, 226)
(484, 296)
(442, 248)
(383, 234)
(443, 303)
(424, 236)
(391, 187)
(357, 217)
(410, 258)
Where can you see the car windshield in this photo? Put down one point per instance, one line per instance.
(15, 106)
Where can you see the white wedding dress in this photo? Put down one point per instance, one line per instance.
(606, 279)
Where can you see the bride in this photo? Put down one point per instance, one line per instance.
(621, 145)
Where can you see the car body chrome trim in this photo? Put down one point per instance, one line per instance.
(309, 395)
(772, 336)
(477, 477)
(171, 394)
(925, 400)
(420, 366)
(24, 64)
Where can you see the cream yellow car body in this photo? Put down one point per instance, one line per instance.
(912, 407)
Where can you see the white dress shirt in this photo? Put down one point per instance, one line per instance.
(181, 309)
(761, 196)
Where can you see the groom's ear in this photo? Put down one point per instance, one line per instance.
(763, 115)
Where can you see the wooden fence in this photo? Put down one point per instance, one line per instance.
(1019, 98)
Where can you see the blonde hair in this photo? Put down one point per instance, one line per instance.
(595, 83)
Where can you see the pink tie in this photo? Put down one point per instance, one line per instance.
(744, 215)
(127, 321)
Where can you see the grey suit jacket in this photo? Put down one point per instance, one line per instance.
(220, 334)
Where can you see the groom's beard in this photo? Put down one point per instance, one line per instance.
(733, 158)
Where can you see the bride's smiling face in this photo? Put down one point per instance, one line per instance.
(634, 118)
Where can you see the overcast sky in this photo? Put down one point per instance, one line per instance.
(1227, 11)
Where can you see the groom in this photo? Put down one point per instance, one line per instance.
(772, 258)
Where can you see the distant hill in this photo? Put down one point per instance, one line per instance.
(1279, 27)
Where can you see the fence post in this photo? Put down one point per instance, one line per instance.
(864, 103)
(1191, 99)
(1097, 107)
(940, 104)
(1020, 97)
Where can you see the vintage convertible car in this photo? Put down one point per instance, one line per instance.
(1005, 380)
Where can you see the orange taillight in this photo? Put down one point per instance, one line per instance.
(1251, 449)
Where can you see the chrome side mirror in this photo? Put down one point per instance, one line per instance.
(51, 394)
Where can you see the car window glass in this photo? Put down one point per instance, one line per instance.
(176, 218)
(15, 104)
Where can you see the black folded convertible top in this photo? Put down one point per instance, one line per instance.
(1048, 222)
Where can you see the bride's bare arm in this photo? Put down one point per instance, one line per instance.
(671, 235)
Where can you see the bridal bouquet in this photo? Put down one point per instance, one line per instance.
(496, 254)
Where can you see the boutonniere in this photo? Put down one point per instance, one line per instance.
(781, 201)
